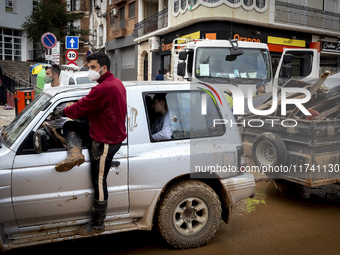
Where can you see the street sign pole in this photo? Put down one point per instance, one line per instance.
(49, 41)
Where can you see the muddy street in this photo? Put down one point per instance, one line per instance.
(278, 220)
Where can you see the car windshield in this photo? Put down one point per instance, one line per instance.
(84, 80)
(253, 64)
(23, 119)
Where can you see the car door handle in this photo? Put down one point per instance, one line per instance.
(115, 164)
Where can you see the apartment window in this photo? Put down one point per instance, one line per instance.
(73, 5)
(9, 5)
(176, 6)
(132, 10)
(192, 2)
(110, 3)
(330, 5)
(248, 2)
(10, 44)
(35, 4)
(234, 1)
(260, 3)
(183, 4)
(112, 19)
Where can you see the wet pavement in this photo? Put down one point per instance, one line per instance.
(278, 220)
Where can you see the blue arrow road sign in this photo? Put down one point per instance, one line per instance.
(49, 40)
(72, 42)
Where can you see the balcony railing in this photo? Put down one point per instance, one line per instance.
(118, 24)
(153, 23)
(75, 5)
(305, 16)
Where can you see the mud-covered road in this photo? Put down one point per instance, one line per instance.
(277, 221)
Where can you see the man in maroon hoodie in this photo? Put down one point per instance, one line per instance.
(106, 108)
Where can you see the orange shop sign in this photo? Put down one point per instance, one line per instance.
(246, 39)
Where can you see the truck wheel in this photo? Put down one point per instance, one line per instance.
(189, 214)
(269, 149)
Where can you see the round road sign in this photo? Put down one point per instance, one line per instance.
(49, 40)
(71, 55)
(72, 64)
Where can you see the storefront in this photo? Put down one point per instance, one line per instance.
(123, 55)
(330, 57)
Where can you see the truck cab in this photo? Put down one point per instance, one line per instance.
(241, 63)
(224, 61)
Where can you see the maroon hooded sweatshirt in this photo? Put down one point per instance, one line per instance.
(106, 108)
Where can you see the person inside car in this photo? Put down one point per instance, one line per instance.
(161, 128)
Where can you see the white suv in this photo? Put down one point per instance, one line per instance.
(182, 184)
(75, 76)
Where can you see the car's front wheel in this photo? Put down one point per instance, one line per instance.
(189, 214)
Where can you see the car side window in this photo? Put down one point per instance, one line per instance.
(71, 81)
(182, 118)
(52, 130)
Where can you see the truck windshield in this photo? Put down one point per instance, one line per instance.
(253, 64)
(22, 120)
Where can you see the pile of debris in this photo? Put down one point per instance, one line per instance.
(324, 103)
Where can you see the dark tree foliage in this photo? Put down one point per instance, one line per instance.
(51, 16)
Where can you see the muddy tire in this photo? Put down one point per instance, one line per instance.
(189, 214)
(269, 149)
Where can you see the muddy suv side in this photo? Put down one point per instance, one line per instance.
(179, 183)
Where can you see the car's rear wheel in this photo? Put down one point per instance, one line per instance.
(189, 214)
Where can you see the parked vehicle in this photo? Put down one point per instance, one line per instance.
(243, 63)
(181, 184)
(300, 148)
(75, 76)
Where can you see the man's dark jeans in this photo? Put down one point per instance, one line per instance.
(101, 155)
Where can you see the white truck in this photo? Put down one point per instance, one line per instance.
(243, 63)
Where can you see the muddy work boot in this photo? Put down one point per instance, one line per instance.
(75, 157)
(96, 225)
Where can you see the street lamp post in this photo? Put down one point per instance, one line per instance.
(97, 9)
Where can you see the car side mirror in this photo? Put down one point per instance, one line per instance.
(182, 55)
(181, 69)
(40, 141)
(287, 58)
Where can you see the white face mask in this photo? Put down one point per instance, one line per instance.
(94, 75)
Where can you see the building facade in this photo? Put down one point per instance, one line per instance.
(82, 7)
(280, 24)
(120, 45)
(14, 44)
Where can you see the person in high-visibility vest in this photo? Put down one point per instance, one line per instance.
(228, 95)
(260, 88)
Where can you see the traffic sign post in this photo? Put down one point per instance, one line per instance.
(72, 42)
(49, 40)
(71, 55)
(72, 64)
